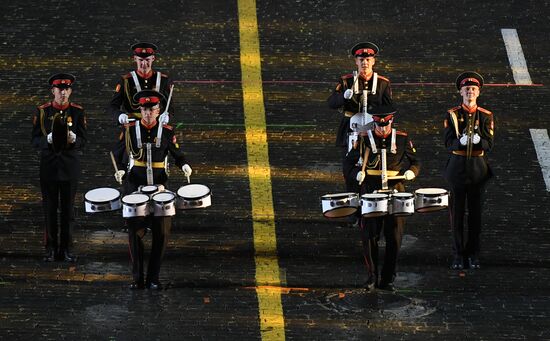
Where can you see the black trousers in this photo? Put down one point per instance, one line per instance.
(470, 196)
(58, 195)
(371, 228)
(160, 227)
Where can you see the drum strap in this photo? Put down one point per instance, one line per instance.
(157, 85)
(372, 143)
(374, 84)
(149, 169)
(138, 134)
(393, 146)
(136, 81)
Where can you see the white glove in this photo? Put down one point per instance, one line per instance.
(72, 137)
(464, 139)
(164, 118)
(409, 175)
(49, 138)
(360, 177)
(118, 176)
(186, 170)
(348, 94)
(123, 118)
(476, 139)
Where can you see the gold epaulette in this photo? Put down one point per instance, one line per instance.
(454, 109)
(76, 106)
(169, 127)
(130, 124)
(126, 76)
(384, 78)
(402, 133)
(347, 76)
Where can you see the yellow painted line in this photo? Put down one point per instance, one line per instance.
(272, 324)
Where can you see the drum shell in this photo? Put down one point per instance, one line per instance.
(373, 206)
(339, 205)
(202, 200)
(402, 204)
(163, 208)
(95, 206)
(138, 209)
(437, 200)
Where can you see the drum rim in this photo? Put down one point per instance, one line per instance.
(135, 203)
(377, 195)
(193, 198)
(444, 191)
(345, 194)
(401, 195)
(92, 202)
(163, 201)
(156, 188)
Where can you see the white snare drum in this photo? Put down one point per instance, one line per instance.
(193, 196)
(150, 189)
(402, 204)
(102, 200)
(164, 204)
(135, 205)
(339, 205)
(431, 199)
(374, 205)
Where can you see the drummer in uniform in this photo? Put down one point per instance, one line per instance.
(349, 98)
(59, 133)
(469, 134)
(123, 107)
(401, 162)
(138, 141)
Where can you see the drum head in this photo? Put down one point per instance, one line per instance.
(374, 196)
(193, 191)
(431, 191)
(336, 196)
(402, 195)
(149, 189)
(164, 197)
(135, 198)
(101, 195)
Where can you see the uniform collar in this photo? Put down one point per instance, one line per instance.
(59, 106)
(143, 75)
(468, 109)
(148, 126)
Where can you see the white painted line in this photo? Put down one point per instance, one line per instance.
(542, 147)
(515, 56)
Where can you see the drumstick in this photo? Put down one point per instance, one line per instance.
(188, 181)
(397, 177)
(114, 164)
(365, 158)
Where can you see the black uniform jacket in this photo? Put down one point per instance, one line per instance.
(63, 165)
(123, 102)
(137, 175)
(460, 169)
(349, 107)
(403, 160)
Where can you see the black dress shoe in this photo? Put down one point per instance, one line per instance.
(67, 256)
(49, 256)
(386, 286)
(371, 282)
(458, 263)
(474, 262)
(137, 285)
(154, 286)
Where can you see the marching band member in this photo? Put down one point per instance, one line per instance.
(401, 161)
(59, 132)
(349, 96)
(469, 133)
(123, 106)
(147, 166)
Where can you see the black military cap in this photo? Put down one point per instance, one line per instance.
(383, 114)
(62, 80)
(469, 78)
(365, 49)
(148, 98)
(144, 49)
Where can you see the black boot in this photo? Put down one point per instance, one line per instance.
(50, 255)
(66, 256)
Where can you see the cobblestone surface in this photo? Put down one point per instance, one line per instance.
(209, 268)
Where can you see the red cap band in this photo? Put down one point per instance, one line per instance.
(149, 100)
(363, 51)
(469, 80)
(382, 118)
(143, 50)
(62, 81)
